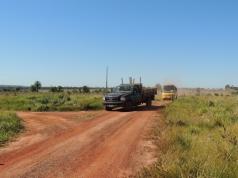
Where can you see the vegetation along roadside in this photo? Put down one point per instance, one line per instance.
(199, 139)
(28, 101)
(11, 102)
(10, 125)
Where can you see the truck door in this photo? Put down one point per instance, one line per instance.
(136, 95)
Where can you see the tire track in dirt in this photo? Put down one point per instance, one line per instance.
(106, 146)
(115, 156)
(8, 158)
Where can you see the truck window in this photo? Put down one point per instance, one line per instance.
(169, 88)
(122, 88)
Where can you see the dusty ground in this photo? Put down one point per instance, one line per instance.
(80, 144)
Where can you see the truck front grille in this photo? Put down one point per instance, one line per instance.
(112, 99)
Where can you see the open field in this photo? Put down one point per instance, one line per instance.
(27, 101)
(11, 102)
(196, 136)
(199, 139)
(203, 92)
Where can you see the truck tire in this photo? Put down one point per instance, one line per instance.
(129, 106)
(108, 109)
(149, 103)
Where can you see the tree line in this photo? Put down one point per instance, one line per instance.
(37, 86)
(231, 87)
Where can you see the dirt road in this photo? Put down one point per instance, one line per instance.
(80, 144)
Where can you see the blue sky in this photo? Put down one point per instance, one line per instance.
(192, 43)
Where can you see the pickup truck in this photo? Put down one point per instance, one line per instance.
(129, 95)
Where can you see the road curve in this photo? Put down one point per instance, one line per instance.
(80, 144)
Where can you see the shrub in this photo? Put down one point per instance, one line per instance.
(95, 106)
(86, 89)
(10, 125)
(44, 101)
(53, 89)
(42, 108)
(56, 89)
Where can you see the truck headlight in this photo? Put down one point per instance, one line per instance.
(123, 98)
(103, 98)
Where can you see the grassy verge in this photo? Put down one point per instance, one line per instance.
(49, 102)
(11, 102)
(200, 139)
(10, 125)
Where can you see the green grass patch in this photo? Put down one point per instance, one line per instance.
(10, 125)
(201, 139)
(11, 102)
(49, 101)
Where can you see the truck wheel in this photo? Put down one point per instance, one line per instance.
(108, 109)
(129, 106)
(149, 103)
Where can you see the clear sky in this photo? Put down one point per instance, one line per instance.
(193, 43)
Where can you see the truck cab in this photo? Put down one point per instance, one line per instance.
(169, 92)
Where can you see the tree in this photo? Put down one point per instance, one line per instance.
(227, 87)
(60, 89)
(56, 89)
(53, 89)
(33, 88)
(86, 89)
(18, 89)
(36, 86)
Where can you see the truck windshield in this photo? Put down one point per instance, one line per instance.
(122, 88)
(169, 88)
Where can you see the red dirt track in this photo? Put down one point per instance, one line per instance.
(80, 144)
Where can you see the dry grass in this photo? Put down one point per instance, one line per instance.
(49, 101)
(201, 139)
(10, 125)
